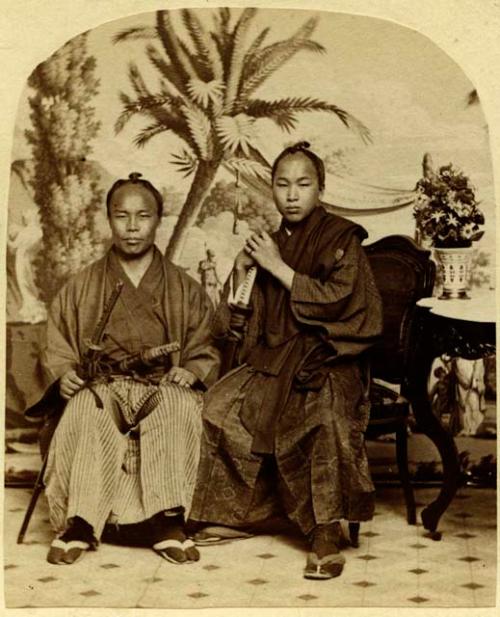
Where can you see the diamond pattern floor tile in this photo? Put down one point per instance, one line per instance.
(395, 566)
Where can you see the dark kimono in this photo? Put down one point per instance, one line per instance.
(298, 404)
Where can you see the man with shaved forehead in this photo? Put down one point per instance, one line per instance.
(124, 456)
(284, 431)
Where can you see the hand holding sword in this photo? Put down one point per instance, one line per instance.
(264, 251)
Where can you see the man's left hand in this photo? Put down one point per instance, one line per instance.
(264, 250)
(180, 376)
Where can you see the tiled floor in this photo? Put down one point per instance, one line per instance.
(396, 565)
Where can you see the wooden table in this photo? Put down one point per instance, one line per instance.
(463, 328)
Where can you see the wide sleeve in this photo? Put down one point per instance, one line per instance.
(199, 354)
(341, 299)
(61, 351)
(326, 295)
(58, 355)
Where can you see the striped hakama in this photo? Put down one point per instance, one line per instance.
(95, 471)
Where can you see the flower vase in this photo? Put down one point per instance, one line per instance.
(455, 266)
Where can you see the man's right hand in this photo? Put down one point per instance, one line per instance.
(69, 384)
(237, 321)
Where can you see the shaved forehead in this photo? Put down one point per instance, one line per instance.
(133, 189)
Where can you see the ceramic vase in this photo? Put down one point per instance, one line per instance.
(455, 266)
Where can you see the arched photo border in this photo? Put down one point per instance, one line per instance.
(30, 30)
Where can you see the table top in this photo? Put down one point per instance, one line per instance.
(480, 307)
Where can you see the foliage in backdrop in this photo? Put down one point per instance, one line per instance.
(65, 186)
(207, 96)
(225, 195)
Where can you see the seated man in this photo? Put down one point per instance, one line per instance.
(286, 427)
(127, 413)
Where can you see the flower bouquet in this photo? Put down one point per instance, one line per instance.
(447, 213)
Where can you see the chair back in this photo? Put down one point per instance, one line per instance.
(404, 273)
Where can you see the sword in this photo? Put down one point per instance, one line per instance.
(241, 307)
(88, 369)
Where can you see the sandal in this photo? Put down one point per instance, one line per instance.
(213, 535)
(176, 551)
(66, 553)
(325, 568)
(325, 560)
(192, 553)
(171, 550)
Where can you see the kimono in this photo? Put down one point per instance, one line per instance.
(285, 429)
(138, 455)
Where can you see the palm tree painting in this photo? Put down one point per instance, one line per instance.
(209, 78)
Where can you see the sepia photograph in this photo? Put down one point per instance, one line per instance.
(250, 317)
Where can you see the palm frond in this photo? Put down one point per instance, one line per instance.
(201, 67)
(237, 57)
(224, 17)
(255, 46)
(137, 80)
(199, 128)
(264, 62)
(202, 92)
(306, 29)
(203, 42)
(275, 57)
(283, 112)
(134, 34)
(223, 38)
(126, 114)
(262, 56)
(186, 162)
(236, 132)
(303, 33)
(161, 108)
(166, 69)
(144, 136)
(172, 45)
(249, 167)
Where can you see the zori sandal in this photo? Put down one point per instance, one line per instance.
(190, 550)
(325, 561)
(325, 568)
(66, 553)
(216, 534)
(172, 550)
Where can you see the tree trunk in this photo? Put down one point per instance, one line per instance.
(202, 181)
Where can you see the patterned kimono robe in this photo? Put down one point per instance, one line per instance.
(93, 466)
(299, 400)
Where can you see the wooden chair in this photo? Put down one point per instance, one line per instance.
(404, 273)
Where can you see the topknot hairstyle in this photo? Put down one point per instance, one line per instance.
(303, 148)
(134, 179)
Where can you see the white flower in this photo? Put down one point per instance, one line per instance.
(437, 215)
(461, 209)
(451, 220)
(467, 231)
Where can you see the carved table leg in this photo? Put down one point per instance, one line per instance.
(444, 442)
(431, 426)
